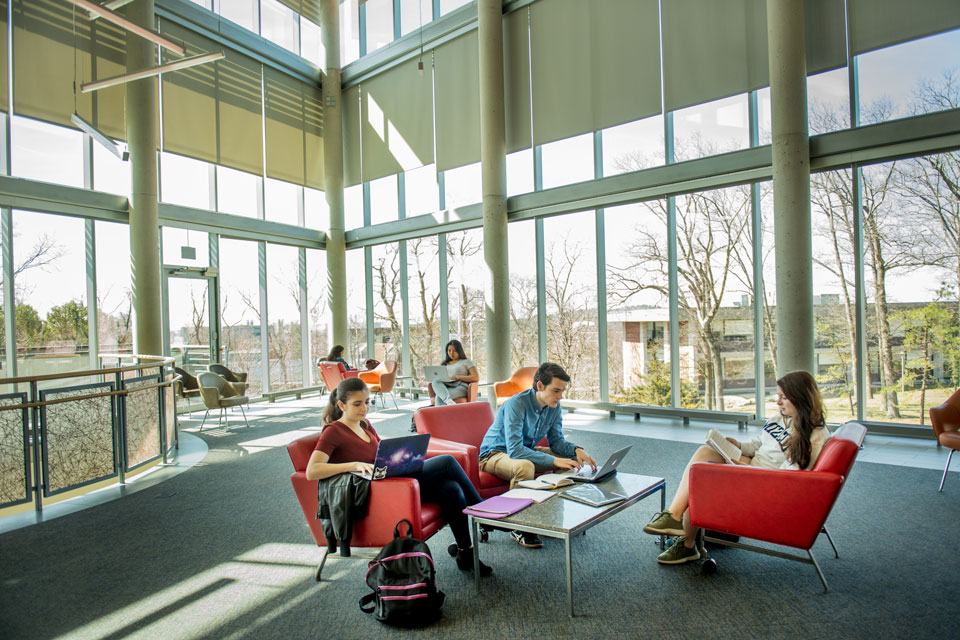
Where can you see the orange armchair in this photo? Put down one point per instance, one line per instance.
(946, 427)
(473, 389)
(778, 506)
(391, 500)
(521, 380)
(381, 379)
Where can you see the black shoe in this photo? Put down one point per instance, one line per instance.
(526, 539)
(413, 425)
(465, 562)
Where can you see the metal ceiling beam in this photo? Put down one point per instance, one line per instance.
(185, 63)
(123, 23)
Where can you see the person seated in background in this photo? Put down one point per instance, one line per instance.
(348, 443)
(462, 371)
(509, 450)
(792, 440)
(336, 355)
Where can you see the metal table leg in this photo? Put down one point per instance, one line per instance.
(476, 552)
(663, 505)
(569, 574)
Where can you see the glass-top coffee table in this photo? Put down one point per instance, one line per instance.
(561, 518)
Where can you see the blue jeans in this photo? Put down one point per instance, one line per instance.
(442, 480)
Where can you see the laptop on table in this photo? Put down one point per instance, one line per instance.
(436, 374)
(401, 456)
(586, 474)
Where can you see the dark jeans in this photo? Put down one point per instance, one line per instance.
(443, 481)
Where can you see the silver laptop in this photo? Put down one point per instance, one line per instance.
(437, 374)
(586, 474)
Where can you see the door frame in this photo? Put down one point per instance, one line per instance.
(212, 276)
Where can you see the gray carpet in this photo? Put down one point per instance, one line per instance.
(223, 551)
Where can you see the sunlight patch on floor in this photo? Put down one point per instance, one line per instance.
(200, 605)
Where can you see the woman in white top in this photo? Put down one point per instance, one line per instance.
(462, 372)
(792, 440)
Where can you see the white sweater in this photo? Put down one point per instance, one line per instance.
(768, 450)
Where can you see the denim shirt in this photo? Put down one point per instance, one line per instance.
(520, 424)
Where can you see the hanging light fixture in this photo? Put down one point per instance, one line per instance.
(420, 61)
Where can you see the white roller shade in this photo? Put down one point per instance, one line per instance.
(516, 80)
(713, 50)
(350, 115)
(458, 102)
(595, 65)
(880, 23)
(213, 112)
(49, 54)
(396, 110)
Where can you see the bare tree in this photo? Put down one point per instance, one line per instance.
(571, 318)
(710, 226)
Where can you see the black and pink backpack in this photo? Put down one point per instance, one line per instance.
(403, 580)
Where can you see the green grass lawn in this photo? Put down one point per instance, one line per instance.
(838, 408)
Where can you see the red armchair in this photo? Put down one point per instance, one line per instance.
(391, 500)
(946, 427)
(473, 389)
(778, 506)
(460, 428)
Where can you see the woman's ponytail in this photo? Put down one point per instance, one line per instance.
(332, 412)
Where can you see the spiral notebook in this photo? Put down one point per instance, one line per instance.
(498, 507)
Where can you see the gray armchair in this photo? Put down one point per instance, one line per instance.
(217, 393)
(237, 379)
(187, 387)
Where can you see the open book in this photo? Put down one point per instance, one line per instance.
(546, 481)
(724, 447)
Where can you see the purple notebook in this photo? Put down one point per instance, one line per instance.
(498, 507)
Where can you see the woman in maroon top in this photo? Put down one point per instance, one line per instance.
(348, 443)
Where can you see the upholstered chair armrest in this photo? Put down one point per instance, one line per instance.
(779, 506)
(391, 500)
(466, 455)
(211, 397)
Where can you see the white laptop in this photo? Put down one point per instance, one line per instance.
(586, 474)
(436, 373)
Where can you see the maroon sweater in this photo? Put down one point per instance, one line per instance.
(343, 445)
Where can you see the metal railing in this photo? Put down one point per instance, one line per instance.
(96, 425)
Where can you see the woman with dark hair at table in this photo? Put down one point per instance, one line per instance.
(462, 372)
(791, 440)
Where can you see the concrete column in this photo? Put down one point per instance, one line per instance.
(144, 224)
(493, 162)
(791, 185)
(333, 176)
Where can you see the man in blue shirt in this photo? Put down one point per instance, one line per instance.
(509, 449)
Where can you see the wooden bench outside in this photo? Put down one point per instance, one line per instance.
(271, 396)
(639, 410)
